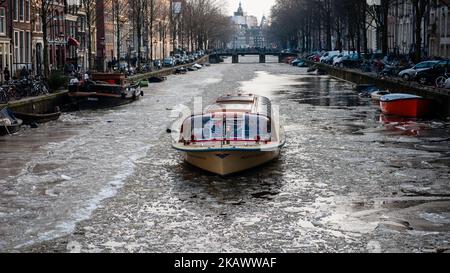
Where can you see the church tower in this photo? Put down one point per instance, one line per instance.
(240, 11)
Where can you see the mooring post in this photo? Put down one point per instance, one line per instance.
(235, 58)
(262, 58)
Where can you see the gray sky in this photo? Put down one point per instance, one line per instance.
(252, 7)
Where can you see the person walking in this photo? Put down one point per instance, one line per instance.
(6, 74)
(24, 73)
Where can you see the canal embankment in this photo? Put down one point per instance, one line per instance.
(39, 104)
(47, 103)
(165, 71)
(440, 96)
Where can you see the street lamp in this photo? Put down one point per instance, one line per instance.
(61, 52)
(103, 54)
(128, 52)
(176, 11)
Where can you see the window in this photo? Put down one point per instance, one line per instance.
(37, 24)
(421, 65)
(16, 47)
(21, 10)
(2, 21)
(430, 64)
(16, 10)
(28, 47)
(22, 47)
(27, 10)
(243, 127)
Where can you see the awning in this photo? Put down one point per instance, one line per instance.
(73, 42)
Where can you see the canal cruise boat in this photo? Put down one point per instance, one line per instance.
(104, 90)
(236, 133)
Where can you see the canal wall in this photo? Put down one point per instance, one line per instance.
(440, 96)
(39, 104)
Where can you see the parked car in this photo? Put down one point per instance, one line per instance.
(338, 59)
(328, 56)
(391, 70)
(168, 62)
(408, 74)
(177, 59)
(351, 60)
(295, 62)
(157, 64)
(437, 75)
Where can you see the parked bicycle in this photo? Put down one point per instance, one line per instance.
(27, 87)
(441, 81)
(8, 93)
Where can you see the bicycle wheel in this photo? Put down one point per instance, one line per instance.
(440, 81)
(15, 94)
(3, 97)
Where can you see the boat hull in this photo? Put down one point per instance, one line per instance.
(416, 107)
(29, 118)
(229, 162)
(10, 129)
(99, 101)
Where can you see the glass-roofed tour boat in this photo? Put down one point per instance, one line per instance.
(236, 133)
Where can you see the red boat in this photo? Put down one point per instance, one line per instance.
(288, 60)
(405, 105)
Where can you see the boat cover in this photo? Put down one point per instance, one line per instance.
(6, 113)
(398, 96)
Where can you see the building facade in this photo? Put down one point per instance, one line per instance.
(21, 35)
(435, 31)
(6, 58)
(247, 32)
(439, 29)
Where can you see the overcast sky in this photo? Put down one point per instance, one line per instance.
(252, 7)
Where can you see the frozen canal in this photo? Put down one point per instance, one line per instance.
(348, 179)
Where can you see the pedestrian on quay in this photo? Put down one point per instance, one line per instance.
(24, 73)
(6, 74)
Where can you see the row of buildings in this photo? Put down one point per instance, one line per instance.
(247, 32)
(401, 29)
(69, 32)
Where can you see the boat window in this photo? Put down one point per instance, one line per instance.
(233, 127)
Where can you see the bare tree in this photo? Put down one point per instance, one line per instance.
(46, 15)
(419, 7)
(89, 9)
(120, 8)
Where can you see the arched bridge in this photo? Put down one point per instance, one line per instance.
(214, 56)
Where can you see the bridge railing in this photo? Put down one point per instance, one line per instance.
(246, 51)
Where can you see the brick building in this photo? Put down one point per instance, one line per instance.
(5, 40)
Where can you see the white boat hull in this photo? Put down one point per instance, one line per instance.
(229, 162)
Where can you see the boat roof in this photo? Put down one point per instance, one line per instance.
(242, 103)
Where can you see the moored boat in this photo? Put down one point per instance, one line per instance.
(405, 105)
(364, 88)
(236, 133)
(376, 96)
(156, 79)
(29, 118)
(111, 90)
(9, 124)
